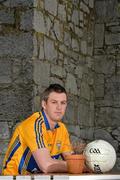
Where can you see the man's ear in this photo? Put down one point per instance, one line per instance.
(43, 104)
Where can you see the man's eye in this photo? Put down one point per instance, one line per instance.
(63, 102)
(53, 102)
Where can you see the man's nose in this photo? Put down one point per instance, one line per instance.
(59, 106)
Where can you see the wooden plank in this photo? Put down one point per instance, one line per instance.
(6, 177)
(42, 177)
(61, 177)
(23, 177)
(95, 177)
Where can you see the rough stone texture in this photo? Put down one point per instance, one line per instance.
(16, 44)
(107, 80)
(16, 76)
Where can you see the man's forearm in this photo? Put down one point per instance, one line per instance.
(57, 166)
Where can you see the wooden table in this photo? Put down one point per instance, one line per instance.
(64, 177)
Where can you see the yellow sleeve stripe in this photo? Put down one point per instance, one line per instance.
(39, 133)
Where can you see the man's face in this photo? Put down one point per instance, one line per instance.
(55, 106)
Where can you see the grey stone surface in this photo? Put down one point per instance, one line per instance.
(83, 47)
(71, 84)
(68, 42)
(38, 22)
(58, 71)
(111, 38)
(7, 16)
(85, 91)
(49, 48)
(99, 35)
(4, 131)
(14, 45)
(41, 73)
(27, 20)
(5, 71)
(51, 6)
(18, 3)
(61, 12)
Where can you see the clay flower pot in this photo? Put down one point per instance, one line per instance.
(75, 163)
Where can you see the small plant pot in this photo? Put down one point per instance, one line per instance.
(75, 163)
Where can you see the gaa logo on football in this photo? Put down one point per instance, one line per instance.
(94, 150)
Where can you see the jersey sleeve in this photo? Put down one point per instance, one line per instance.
(33, 133)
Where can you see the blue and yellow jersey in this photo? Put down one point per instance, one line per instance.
(30, 135)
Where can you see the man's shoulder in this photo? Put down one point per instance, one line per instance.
(31, 119)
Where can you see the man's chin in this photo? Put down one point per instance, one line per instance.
(57, 119)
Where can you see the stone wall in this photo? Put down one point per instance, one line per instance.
(16, 66)
(107, 73)
(55, 41)
(52, 44)
(63, 53)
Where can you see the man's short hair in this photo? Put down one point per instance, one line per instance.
(53, 88)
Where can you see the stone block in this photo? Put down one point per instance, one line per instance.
(107, 116)
(99, 91)
(91, 3)
(14, 45)
(56, 80)
(57, 31)
(67, 38)
(104, 9)
(4, 131)
(48, 25)
(41, 73)
(51, 6)
(1, 163)
(85, 90)
(83, 114)
(5, 71)
(26, 22)
(99, 133)
(61, 12)
(116, 134)
(99, 35)
(58, 71)
(3, 146)
(71, 85)
(74, 129)
(75, 17)
(50, 51)
(79, 71)
(112, 38)
(18, 3)
(87, 133)
(75, 45)
(105, 64)
(7, 16)
(38, 22)
(84, 7)
(84, 47)
(14, 103)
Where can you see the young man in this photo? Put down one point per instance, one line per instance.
(40, 143)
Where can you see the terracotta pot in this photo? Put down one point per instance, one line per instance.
(75, 163)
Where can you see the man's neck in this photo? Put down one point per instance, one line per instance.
(51, 122)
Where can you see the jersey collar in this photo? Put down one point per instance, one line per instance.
(47, 123)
